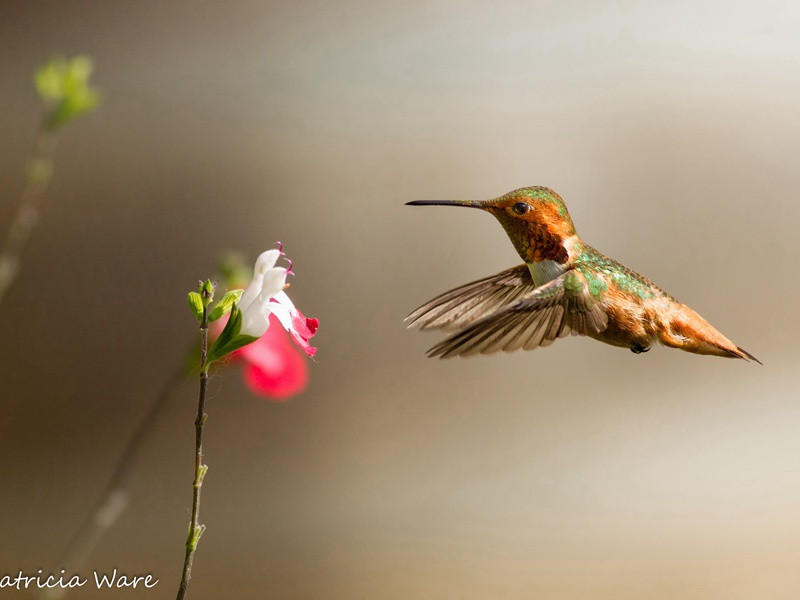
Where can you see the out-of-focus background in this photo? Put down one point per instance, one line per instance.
(578, 471)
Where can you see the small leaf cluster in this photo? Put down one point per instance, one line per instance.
(65, 84)
(231, 338)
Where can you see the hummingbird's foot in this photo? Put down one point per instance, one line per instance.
(637, 348)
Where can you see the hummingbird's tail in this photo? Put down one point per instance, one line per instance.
(687, 330)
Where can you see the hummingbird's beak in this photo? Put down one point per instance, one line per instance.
(468, 203)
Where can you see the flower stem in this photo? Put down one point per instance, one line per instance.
(195, 529)
(39, 171)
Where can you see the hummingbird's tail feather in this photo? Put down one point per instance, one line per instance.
(687, 330)
(462, 306)
(748, 355)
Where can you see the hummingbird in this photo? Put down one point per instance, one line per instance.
(564, 287)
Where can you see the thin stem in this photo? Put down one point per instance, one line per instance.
(116, 495)
(39, 171)
(195, 529)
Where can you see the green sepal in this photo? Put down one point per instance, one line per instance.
(195, 304)
(230, 339)
(223, 306)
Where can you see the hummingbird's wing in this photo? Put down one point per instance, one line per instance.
(551, 311)
(466, 304)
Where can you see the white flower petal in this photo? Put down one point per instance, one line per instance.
(274, 282)
(265, 261)
(250, 293)
(264, 296)
(284, 299)
(282, 313)
(255, 322)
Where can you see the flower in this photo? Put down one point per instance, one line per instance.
(264, 296)
(274, 368)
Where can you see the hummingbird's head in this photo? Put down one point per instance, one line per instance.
(535, 218)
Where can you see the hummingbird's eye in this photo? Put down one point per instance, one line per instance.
(521, 208)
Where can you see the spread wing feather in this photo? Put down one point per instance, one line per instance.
(466, 304)
(538, 317)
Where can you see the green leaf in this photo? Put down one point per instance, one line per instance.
(231, 330)
(196, 305)
(223, 306)
(230, 339)
(49, 79)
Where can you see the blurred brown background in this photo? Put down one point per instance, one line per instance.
(579, 471)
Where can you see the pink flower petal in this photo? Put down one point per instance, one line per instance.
(304, 326)
(280, 388)
(303, 329)
(274, 369)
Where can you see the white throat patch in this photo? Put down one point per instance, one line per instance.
(544, 271)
